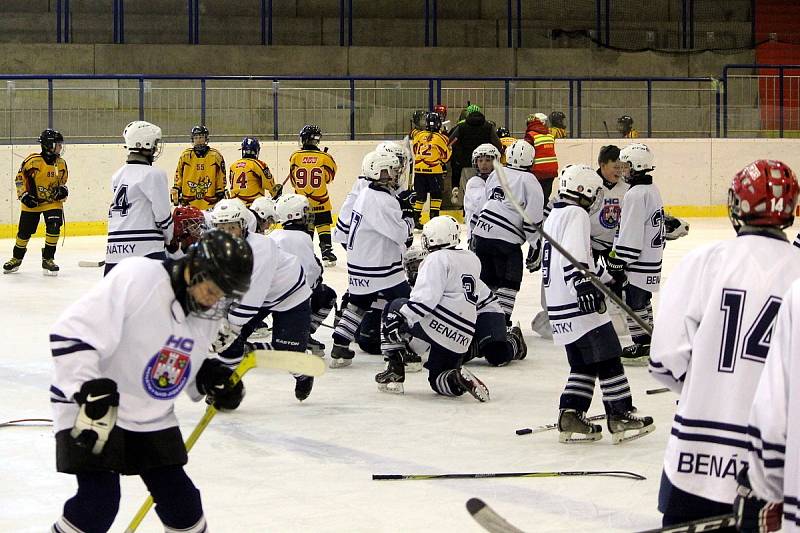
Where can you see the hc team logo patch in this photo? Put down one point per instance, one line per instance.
(610, 214)
(167, 372)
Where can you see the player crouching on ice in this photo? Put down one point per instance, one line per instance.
(441, 311)
(577, 312)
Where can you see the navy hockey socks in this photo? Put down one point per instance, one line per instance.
(506, 298)
(578, 392)
(447, 383)
(345, 330)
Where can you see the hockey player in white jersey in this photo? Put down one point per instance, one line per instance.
(278, 289)
(266, 217)
(712, 332)
(296, 238)
(500, 231)
(122, 354)
(441, 311)
(635, 260)
(140, 213)
(475, 197)
(380, 229)
(579, 320)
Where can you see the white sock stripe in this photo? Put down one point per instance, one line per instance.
(441, 383)
(581, 387)
(63, 525)
(390, 346)
(582, 378)
(198, 527)
(612, 381)
(578, 393)
(617, 388)
(615, 397)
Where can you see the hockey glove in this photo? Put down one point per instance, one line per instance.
(99, 401)
(214, 380)
(60, 193)
(175, 195)
(754, 515)
(534, 260)
(590, 299)
(225, 336)
(406, 200)
(277, 191)
(616, 268)
(675, 228)
(395, 327)
(28, 200)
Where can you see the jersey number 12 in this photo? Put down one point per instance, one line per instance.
(755, 344)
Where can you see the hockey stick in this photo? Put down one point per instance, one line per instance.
(91, 263)
(309, 365)
(696, 526)
(657, 391)
(606, 127)
(27, 422)
(548, 427)
(501, 176)
(609, 473)
(488, 518)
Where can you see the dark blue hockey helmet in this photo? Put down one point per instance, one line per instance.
(311, 134)
(250, 147)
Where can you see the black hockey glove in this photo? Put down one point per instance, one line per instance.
(616, 268)
(395, 327)
(754, 515)
(278, 191)
(534, 260)
(29, 200)
(60, 193)
(214, 380)
(406, 200)
(99, 401)
(590, 298)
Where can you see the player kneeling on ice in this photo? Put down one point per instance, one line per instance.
(441, 311)
(295, 216)
(122, 354)
(579, 320)
(278, 289)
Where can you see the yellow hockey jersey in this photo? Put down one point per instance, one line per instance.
(431, 152)
(40, 179)
(248, 179)
(558, 133)
(200, 180)
(506, 142)
(311, 171)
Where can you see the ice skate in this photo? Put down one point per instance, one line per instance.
(473, 385)
(328, 257)
(571, 422)
(303, 386)
(521, 351)
(619, 424)
(541, 325)
(49, 267)
(315, 347)
(636, 355)
(391, 379)
(264, 331)
(341, 356)
(412, 361)
(12, 265)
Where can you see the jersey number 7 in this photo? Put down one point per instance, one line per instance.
(755, 344)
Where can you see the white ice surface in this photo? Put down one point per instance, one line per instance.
(279, 465)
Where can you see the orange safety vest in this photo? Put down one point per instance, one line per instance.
(545, 162)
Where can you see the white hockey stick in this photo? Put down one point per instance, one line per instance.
(501, 176)
(488, 518)
(91, 263)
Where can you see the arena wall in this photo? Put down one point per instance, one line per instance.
(692, 174)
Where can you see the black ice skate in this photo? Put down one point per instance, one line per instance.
(636, 355)
(619, 424)
(328, 257)
(391, 379)
(412, 361)
(315, 346)
(518, 341)
(571, 422)
(341, 356)
(12, 265)
(473, 385)
(49, 267)
(303, 386)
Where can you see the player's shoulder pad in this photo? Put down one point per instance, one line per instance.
(32, 159)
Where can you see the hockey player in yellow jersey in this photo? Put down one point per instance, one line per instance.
(558, 129)
(625, 127)
(249, 177)
(506, 140)
(311, 170)
(200, 176)
(431, 152)
(41, 188)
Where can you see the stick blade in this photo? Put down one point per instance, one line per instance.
(91, 263)
(296, 362)
(488, 519)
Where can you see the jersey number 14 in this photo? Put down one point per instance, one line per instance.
(756, 340)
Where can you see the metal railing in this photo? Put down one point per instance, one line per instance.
(96, 108)
(761, 101)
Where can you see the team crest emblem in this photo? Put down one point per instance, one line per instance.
(166, 373)
(610, 215)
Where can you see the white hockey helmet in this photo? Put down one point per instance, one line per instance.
(541, 117)
(412, 259)
(520, 155)
(440, 232)
(580, 183)
(639, 156)
(391, 147)
(229, 211)
(140, 135)
(484, 150)
(292, 208)
(375, 166)
(264, 208)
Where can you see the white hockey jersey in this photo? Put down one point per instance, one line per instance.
(774, 455)
(605, 219)
(446, 298)
(499, 220)
(299, 244)
(342, 228)
(378, 233)
(641, 236)
(278, 282)
(474, 200)
(711, 336)
(130, 328)
(140, 214)
(569, 226)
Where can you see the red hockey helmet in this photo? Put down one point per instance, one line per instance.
(441, 110)
(188, 225)
(763, 193)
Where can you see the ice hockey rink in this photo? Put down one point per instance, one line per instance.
(277, 464)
